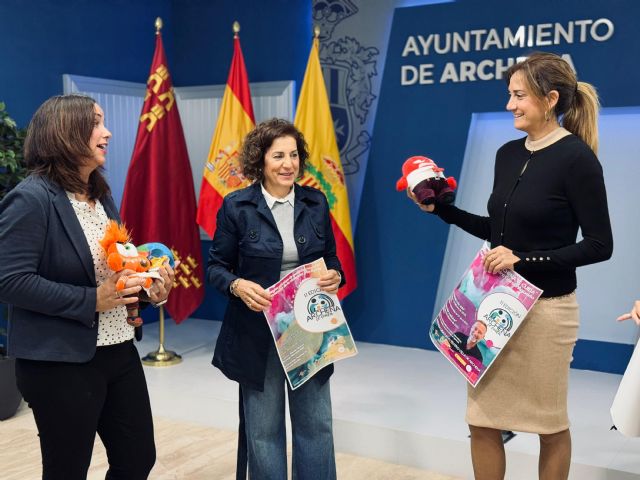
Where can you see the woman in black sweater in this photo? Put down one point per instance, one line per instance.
(546, 187)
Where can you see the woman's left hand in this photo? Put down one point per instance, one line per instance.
(159, 290)
(330, 281)
(499, 258)
(633, 314)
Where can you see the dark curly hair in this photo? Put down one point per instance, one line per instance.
(260, 139)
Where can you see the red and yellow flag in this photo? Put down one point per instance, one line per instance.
(324, 169)
(223, 172)
(159, 203)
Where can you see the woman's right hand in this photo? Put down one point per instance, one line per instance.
(107, 297)
(424, 208)
(253, 295)
(634, 314)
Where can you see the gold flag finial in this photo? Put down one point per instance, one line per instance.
(316, 31)
(236, 29)
(158, 25)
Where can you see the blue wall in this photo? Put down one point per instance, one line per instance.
(43, 39)
(275, 36)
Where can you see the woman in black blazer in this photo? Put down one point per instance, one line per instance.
(76, 363)
(263, 231)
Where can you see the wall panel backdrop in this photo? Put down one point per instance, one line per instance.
(400, 250)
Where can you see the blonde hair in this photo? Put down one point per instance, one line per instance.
(578, 103)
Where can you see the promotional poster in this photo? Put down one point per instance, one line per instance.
(307, 324)
(480, 316)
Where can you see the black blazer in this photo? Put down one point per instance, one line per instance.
(247, 244)
(47, 274)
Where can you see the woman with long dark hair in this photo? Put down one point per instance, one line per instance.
(77, 366)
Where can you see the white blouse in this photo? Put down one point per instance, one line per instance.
(112, 324)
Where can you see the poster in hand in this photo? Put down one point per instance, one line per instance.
(480, 316)
(307, 324)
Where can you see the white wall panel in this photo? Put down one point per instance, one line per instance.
(198, 106)
(122, 104)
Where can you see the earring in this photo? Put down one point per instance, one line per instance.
(546, 116)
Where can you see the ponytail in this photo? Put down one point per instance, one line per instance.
(581, 118)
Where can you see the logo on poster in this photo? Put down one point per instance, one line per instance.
(500, 320)
(316, 310)
(500, 311)
(319, 304)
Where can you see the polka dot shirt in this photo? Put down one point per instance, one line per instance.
(112, 327)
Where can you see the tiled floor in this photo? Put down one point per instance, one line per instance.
(395, 404)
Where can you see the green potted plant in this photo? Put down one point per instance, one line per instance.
(12, 171)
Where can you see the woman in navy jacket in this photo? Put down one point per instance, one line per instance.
(263, 231)
(76, 363)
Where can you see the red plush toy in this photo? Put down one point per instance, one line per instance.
(427, 181)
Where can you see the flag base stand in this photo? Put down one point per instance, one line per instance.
(161, 357)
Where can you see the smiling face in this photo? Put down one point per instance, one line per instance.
(477, 332)
(528, 110)
(99, 139)
(281, 166)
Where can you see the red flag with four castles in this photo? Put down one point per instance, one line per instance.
(159, 202)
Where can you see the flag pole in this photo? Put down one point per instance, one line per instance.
(161, 357)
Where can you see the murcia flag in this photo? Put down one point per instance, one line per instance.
(324, 169)
(223, 172)
(159, 202)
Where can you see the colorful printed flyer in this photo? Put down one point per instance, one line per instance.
(307, 324)
(480, 316)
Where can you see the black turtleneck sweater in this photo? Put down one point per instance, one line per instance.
(537, 212)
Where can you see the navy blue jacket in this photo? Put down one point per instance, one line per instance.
(247, 244)
(47, 275)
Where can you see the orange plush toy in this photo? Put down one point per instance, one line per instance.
(123, 255)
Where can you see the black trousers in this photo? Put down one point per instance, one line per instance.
(73, 401)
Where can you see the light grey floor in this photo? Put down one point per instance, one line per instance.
(400, 405)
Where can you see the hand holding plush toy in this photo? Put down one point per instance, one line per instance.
(426, 181)
(144, 260)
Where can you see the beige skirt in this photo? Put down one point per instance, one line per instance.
(526, 387)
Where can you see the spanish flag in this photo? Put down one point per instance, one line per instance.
(223, 171)
(324, 169)
(159, 201)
